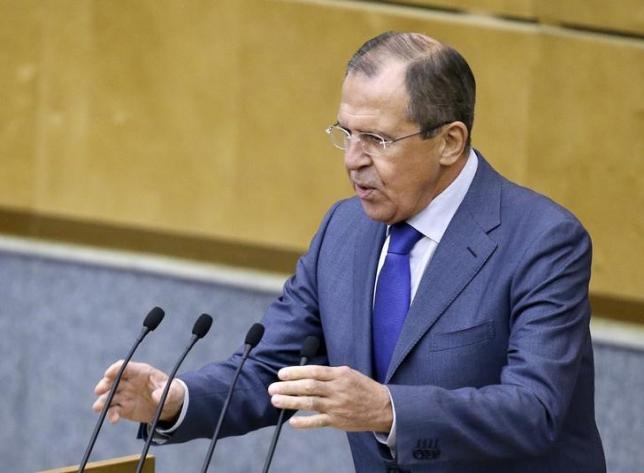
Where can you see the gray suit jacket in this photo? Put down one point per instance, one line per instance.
(493, 371)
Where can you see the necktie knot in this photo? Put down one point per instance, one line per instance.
(402, 238)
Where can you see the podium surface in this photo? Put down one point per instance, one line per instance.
(113, 465)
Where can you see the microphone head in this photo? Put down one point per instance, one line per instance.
(254, 335)
(310, 347)
(202, 325)
(154, 318)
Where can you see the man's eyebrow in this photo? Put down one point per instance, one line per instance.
(371, 132)
(339, 123)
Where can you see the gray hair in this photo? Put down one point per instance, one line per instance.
(439, 81)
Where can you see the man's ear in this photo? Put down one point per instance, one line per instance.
(454, 139)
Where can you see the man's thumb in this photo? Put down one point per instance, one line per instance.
(156, 395)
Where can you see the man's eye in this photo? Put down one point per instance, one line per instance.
(371, 140)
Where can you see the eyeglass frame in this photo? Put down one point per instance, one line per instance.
(384, 143)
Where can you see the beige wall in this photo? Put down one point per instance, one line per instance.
(206, 118)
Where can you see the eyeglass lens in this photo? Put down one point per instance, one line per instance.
(371, 143)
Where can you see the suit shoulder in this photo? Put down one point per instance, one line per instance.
(347, 210)
(525, 206)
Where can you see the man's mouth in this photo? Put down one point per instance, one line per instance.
(363, 191)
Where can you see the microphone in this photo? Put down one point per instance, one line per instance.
(199, 330)
(254, 335)
(309, 349)
(152, 321)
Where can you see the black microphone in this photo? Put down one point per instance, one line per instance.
(152, 321)
(199, 330)
(254, 335)
(309, 349)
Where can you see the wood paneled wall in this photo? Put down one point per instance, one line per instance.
(206, 119)
(625, 16)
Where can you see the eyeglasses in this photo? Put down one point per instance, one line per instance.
(372, 143)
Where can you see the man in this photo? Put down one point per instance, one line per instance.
(453, 304)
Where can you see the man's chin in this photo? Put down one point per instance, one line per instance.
(377, 212)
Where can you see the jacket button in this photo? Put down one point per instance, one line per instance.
(426, 453)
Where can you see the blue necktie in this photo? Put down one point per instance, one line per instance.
(393, 294)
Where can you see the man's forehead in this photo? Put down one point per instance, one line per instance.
(387, 84)
(373, 103)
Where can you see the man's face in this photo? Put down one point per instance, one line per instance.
(395, 184)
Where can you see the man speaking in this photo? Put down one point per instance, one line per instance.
(452, 304)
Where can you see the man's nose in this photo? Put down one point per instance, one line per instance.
(354, 155)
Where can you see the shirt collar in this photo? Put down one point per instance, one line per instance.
(433, 220)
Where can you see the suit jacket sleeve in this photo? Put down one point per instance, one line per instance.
(288, 321)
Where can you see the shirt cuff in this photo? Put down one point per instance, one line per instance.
(162, 435)
(389, 439)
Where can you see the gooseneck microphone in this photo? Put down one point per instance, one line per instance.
(309, 349)
(152, 321)
(199, 330)
(254, 335)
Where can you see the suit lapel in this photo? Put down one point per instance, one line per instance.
(368, 245)
(461, 254)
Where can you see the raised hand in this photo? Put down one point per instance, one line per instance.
(138, 393)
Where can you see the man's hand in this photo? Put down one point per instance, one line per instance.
(138, 394)
(342, 397)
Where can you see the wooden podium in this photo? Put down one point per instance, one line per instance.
(114, 465)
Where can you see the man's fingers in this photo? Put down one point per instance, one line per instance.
(98, 404)
(156, 395)
(340, 397)
(110, 372)
(300, 387)
(310, 422)
(103, 386)
(133, 370)
(114, 414)
(321, 373)
(122, 396)
(137, 395)
(105, 383)
(299, 403)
